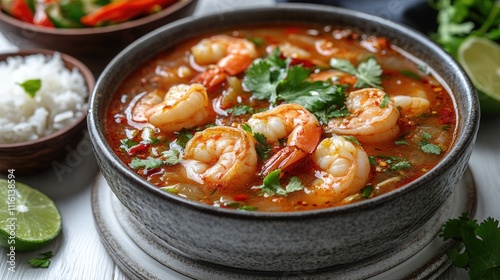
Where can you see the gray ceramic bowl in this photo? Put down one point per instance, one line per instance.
(286, 241)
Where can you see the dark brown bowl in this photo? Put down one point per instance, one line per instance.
(93, 46)
(288, 241)
(31, 156)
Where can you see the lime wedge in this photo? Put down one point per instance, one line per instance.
(28, 218)
(480, 57)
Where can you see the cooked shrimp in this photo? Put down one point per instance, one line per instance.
(373, 117)
(411, 106)
(221, 156)
(225, 55)
(183, 106)
(343, 170)
(292, 121)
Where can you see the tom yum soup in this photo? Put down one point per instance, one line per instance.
(281, 118)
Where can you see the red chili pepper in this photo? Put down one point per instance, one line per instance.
(123, 10)
(446, 116)
(138, 149)
(304, 62)
(21, 10)
(240, 197)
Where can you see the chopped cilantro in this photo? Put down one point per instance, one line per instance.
(427, 147)
(183, 137)
(352, 139)
(385, 101)
(31, 87)
(403, 164)
(126, 144)
(478, 247)
(431, 149)
(262, 148)
(169, 157)
(401, 142)
(372, 160)
(272, 186)
(273, 79)
(43, 261)
(258, 41)
(148, 163)
(368, 73)
(366, 191)
(240, 110)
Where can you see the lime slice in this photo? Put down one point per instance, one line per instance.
(28, 218)
(480, 58)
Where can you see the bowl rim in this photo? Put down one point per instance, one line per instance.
(88, 78)
(123, 26)
(471, 120)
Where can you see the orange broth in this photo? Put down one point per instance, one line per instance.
(392, 163)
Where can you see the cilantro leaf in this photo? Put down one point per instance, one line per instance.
(31, 87)
(272, 186)
(368, 72)
(431, 149)
(240, 110)
(366, 191)
(274, 79)
(148, 163)
(183, 137)
(43, 261)
(478, 247)
(169, 157)
(427, 147)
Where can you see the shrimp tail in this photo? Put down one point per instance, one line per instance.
(301, 143)
(210, 78)
(284, 159)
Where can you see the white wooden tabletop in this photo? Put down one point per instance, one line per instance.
(79, 253)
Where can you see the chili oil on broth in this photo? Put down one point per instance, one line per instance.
(389, 160)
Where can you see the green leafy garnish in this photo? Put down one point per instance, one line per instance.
(43, 261)
(478, 247)
(262, 148)
(169, 157)
(274, 79)
(126, 144)
(183, 137)
(240, 110)
(395, 163)
(459, 19)
(427, 147)
(352, 139)
(368, 73)
(31, 87)
(272, 186)
(385, 101)
(366, 191)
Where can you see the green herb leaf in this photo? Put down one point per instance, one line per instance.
(171, 157)
(385, 101)
(275, 79)
(31, 87)
(366, 191)
(183, 137)
(478, 248)
(43, 261)
(272, 186)
(400, 165)
(431, 149)
(148, 163)
(368, 73)
(240, 110)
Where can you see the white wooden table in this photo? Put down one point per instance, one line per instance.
(79, 253)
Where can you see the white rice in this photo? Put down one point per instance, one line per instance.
(61, 99)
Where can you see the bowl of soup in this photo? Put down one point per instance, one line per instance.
(286, 138)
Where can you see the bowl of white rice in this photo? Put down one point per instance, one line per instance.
(43, 107)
